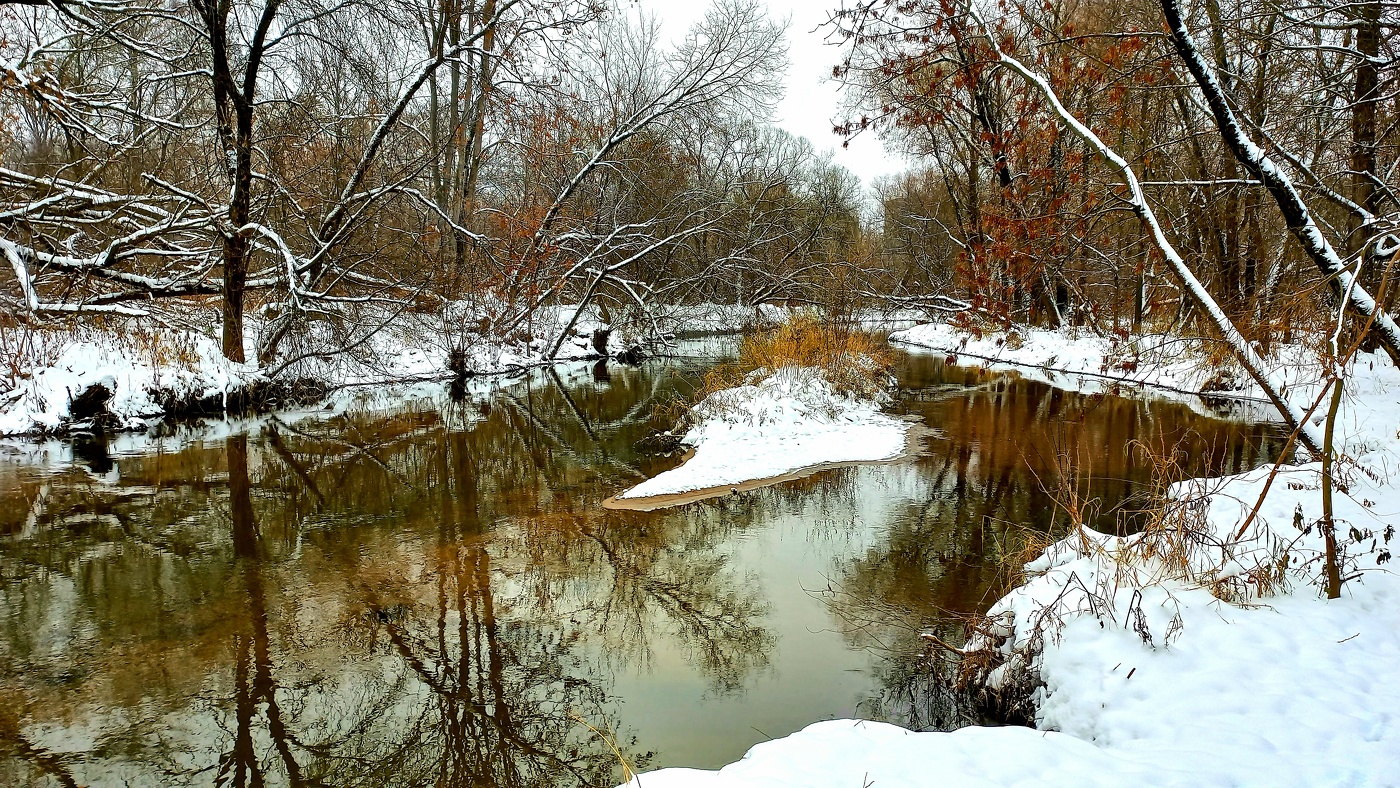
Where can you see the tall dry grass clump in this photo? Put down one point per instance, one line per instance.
(854, 362)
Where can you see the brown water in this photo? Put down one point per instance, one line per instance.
(433, 595)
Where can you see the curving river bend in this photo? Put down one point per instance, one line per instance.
(430, 594)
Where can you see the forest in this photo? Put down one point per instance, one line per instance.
(293, 177)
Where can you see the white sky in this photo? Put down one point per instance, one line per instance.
(811, 104)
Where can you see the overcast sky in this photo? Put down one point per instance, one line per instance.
(810, 106)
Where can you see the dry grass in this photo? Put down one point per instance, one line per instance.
(23, 349)
(1180, 543)
(161, 348)
(854, 362)
(1176, 543)
(610, 739)
(1019, 545)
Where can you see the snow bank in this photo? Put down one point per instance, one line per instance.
(779, 423)
(136, 379)
(1196, 653)
(147, 365)
(1165, 361)
(57, 454)
(146, 368)
(1140, 650)
(855, 753)
(415, 346)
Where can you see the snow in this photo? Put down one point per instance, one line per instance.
(1196, 653)
(135, 378)
(862, 753)
(1173, 366)
(178, 358)
(146, 366)
(779, 423)
(56, 454)
(1161, 360)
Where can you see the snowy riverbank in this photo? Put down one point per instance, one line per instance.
(133, 386)
(1079, 359)
(460, 408)
(149, 370)
(780, 423)
(1198, 653)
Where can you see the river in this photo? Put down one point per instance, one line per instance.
(429, 592)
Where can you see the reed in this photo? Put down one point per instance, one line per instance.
(854, 362)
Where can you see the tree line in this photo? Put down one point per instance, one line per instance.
(1261, 136)
(277, 169)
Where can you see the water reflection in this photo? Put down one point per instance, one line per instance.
(1008, 455)
(435, 596)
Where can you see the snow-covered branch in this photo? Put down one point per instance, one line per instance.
(1296, 213)
(1257, 367)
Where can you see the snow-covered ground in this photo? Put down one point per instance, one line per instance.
(1198, 653)
(779, 423)
(191, 364)
(1167, 362)
(58, 453)
(147, 367)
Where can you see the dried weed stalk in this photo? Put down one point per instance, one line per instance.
(1174, 544)
(855, 363)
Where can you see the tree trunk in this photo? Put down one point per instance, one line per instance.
(483, 94)
(235, 278)
(1296, 213)
(1363, 139)
(233, 105)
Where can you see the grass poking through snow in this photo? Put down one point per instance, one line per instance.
(855, 363)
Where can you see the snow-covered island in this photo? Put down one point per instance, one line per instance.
(1198, 652)
(780, 423)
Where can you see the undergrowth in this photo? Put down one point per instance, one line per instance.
(1175, 543)
(23, 349)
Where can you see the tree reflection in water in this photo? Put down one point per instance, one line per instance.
(434, 596)
(1001, 469)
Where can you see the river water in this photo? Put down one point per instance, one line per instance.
(430, 593)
